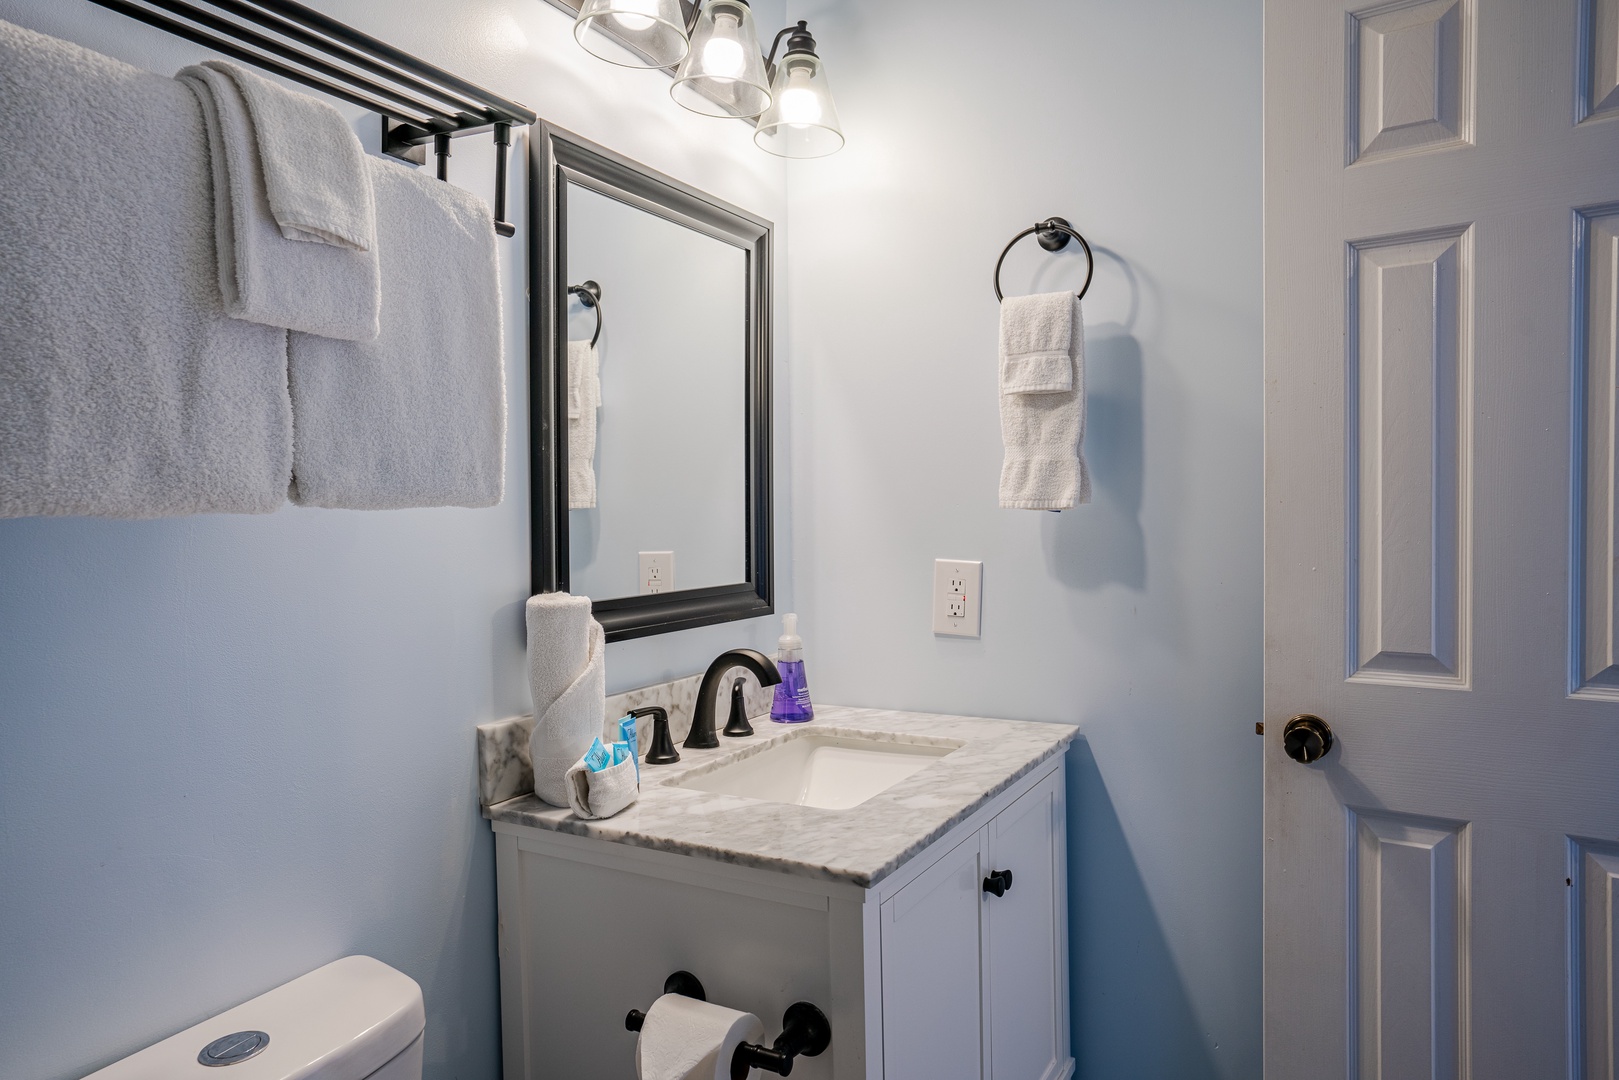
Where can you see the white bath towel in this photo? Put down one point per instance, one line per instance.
(314, 168)
(602, 794)
(584, 398)
(124, 389)
(567, 664)
(264, 277)
(416, 416)
(1042, 397)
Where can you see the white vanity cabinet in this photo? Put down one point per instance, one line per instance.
(975, 985)
(923, 974)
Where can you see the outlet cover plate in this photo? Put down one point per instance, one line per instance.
(958, 592)
(657, 572)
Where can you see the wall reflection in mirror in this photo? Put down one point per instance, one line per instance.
(657, 420)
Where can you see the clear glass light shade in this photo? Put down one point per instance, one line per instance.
(633, 33)
(802, 121)
(724, 74)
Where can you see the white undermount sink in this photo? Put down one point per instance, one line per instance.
(833, 772)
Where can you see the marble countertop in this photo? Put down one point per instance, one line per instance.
(862, 844)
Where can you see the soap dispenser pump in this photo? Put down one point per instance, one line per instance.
(792, 701)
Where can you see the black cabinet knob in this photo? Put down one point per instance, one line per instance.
(1307, 738)
(998, 882)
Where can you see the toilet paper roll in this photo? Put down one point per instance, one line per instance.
(686, 1039)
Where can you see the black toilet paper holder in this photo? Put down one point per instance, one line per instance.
(804, 1030)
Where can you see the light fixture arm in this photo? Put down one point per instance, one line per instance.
(800, 42)
(689, 10)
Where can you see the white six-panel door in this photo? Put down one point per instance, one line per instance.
(1442, 538)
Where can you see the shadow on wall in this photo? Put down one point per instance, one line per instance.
(1105, 544)
(1125, 980)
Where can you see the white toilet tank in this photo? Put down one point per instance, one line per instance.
(354, 1019)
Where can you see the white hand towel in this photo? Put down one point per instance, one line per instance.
(683, 1038)
(264, 277)
(314, 168)
(125, 391)
(1042, 396)
(602, 794)
(584, 398)
(416, 416)
(567, 664)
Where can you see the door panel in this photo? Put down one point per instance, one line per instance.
(932, 1008)
(1408, 946)
(1594, 958)
(1442, 457)
(1594, 660)
(1410, 363)
(1021, 992)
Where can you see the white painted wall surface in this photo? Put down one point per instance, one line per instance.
(1137, 616)
(235, 748)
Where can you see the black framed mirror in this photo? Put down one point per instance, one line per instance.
(650, 393)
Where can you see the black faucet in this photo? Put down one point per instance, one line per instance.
(702, 735)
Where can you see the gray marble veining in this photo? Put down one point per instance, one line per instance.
(504, 770)
(862, 844)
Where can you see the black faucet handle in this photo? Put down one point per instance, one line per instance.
(737, 727)
(662, 751)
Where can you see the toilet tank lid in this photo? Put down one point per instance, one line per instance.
(340, 1022)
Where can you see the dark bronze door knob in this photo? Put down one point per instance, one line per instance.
(1307, 738)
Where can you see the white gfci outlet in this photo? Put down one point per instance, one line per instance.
(657, 572)
(958, 590)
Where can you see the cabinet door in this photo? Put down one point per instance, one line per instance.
(1025, 999)
(932, 971)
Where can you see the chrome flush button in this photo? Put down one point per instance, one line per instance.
(238, 1046)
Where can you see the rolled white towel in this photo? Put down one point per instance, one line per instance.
(567, 653)
(331, 290)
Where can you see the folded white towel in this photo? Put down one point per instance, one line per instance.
(1042, 396)
(602, 794)
(314, 168)
(416, 416)
(265, 278)
(124, 389)
(584, 398)
(567, 664)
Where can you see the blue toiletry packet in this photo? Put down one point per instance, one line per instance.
(626, 731)
(621, 753)
(598, 757)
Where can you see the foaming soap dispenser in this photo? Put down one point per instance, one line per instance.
(792, 702)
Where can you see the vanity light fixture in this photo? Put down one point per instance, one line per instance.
(802, 121)
(722, 70)
(633, 33)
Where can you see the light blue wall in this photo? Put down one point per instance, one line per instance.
(235, 748)
(1137, 616)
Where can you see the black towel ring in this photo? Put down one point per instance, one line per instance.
(1054, 233)
(590, 295)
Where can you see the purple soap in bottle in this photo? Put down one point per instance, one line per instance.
(792, 703)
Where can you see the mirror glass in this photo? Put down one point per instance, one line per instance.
(669, 468)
